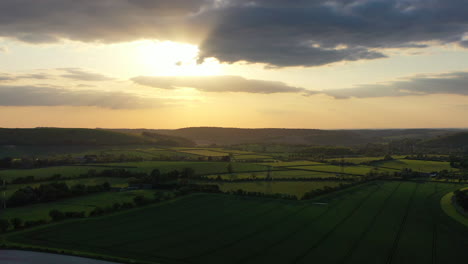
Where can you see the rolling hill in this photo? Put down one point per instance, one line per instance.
(81, 136)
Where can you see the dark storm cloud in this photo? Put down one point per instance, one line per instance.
(47, 96)
(45, 21)
(308, 33)
(219, 84)
(81, 75)
(276, 32)
(451, 83)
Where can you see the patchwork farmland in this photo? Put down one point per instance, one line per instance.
(399, 222)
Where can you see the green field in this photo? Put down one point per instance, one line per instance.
(416, 165)
(380, 222)
(84, 203)
(297, 188)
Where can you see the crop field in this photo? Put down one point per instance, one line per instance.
(64, 171)
(199, 167)
(417, 165)
(379, 222)
(297, 188)
(77, 204)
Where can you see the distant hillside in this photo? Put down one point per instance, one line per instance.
(231, 136)
(80, 136)
(457, 140)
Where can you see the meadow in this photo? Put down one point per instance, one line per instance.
(399, 222)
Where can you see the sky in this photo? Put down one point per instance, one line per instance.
(323, 64)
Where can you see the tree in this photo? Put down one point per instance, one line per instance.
(229, 168)
(4, 225)
(16, 222)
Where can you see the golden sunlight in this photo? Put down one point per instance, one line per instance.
(169, 58)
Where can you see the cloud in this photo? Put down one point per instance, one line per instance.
(311, 33)
(80, 75)
(219, 84)
(449, 83)
(279, 33)
(46, 21)
(47, 96)
(4, 50)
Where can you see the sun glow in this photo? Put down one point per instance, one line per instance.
(175, 59)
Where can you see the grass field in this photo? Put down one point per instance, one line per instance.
(377, 223)
(84, 203)
(416, 165)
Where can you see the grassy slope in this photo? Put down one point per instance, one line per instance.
(389, 222)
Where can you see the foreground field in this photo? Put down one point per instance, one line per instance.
(386, 222)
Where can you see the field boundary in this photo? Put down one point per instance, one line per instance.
(450, 210)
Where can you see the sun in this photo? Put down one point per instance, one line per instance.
(167, 58)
